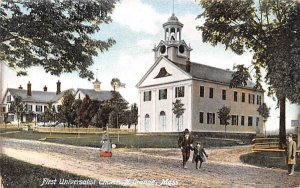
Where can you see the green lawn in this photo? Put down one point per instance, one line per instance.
(126, 141)
(16, 173)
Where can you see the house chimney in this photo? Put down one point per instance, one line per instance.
(57, 87)
(29, 89)
(20, 87)
(188, 65)
(45, 88)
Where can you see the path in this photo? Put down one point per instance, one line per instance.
(223, 169)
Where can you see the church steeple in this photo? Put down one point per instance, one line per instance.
(173, 47)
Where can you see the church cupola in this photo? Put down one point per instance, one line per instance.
(97, 85)
(172, 29)
(173, 47)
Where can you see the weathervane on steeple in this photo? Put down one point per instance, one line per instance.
(173, 7)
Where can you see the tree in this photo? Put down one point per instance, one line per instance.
(264, 111)
(49, 114)
(119, 106)
(270, 30)
(68, 113)
(18, 107)
(240, 76)
(224, 116)
(57, 35)
(134, 115)
(178, 110)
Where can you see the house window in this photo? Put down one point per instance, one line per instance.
(162, 94)
(210, 118)
(147, 122)
(250, 120)
(38, 108)
(162, 120)
(257, 121)
(147, 95)
(8, 98)
(234, 120)
(79, 96)
(201, 114)
(28, 107)
(201, 91)
(242, 120)
(3, 109)
(45, 108)
(224, 94)
(243, 97)
(235, 96)
(179, 92)
(211, 92)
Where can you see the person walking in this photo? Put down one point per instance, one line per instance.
(185, 142)
(291, 155)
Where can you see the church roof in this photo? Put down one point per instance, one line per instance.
(209, 73)
(97, 95)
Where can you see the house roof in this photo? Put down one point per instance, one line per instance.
(97, 95)
(36, 96)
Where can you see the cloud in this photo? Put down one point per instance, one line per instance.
(137, 16)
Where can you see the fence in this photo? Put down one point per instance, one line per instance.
(266, 144)
(82, 130)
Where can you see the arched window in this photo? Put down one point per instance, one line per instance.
(147, 122)
(162, 121)
(179, 123)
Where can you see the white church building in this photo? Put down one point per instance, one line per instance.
(202, 89)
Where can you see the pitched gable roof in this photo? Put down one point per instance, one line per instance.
(209, 73)
(97, 95)
(36, 96)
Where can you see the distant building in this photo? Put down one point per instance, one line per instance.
(36, 102)
(202, 89)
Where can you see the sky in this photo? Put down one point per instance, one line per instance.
(137, 27)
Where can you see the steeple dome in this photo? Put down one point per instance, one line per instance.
(173, 47)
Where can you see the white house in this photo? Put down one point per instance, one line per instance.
(36, 101)
(202, 89)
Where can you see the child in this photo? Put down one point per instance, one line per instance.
(199, 155)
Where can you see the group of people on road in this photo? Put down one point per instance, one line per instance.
(186, 144)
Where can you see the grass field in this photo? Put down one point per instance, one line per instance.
(16, 173)
(125, 141)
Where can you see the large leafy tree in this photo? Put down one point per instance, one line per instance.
(270, 30)
(18, 107)
(119, 107)
(58, 35)
(224, 116)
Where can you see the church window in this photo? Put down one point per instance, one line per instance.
(201, 114)
(162, 73)
(162, 49)
(257, 121)
(162, 120)
(224, 94)
(242, 120)
(211, 92)
(163, 94)
(243, 97)
(147, 122)
(250, 120)
(234, 119)
(235, 96)
(181, 49)
(8, 98)
(147, 95)
(179, 91)
(201, 91)
(210, 118)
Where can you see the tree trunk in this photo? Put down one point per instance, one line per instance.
(282, 129)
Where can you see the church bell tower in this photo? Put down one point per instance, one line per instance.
(173, 47)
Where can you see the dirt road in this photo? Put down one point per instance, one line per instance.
(152, 167)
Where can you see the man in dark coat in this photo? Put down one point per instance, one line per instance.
(185, 142)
